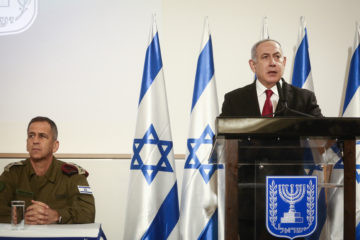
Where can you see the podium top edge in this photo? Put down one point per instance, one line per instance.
(339, 127)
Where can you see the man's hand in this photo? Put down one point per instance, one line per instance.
(40, 213)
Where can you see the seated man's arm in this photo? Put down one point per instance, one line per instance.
(81, 203)
(6, 195)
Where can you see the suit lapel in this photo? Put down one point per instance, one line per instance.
(252, 102)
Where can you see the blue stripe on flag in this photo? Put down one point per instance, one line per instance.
(354, 77)
(302, 66)
(204, 71)
(152, 66)
(166, 218)
(210, 232)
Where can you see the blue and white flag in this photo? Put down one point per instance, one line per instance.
(352, 96)
(302, 77)
(333, 228)
(201, 204)
(352, 109)
(153, 206)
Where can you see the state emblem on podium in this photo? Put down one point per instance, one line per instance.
(291, 205)
(17, 16)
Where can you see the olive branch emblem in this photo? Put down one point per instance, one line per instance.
(23, 7)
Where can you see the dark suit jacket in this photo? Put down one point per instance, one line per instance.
(243, 102)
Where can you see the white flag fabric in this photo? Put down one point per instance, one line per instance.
(201, 217)
(352, 109)
(302, 76)
(153, 206)
(333, 229)
(315, 157)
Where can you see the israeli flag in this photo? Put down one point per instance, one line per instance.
(333, 228)
(315, 168)
(201, 204)
(352, 97)
(152, 207)
(352, 109)
(302, 77)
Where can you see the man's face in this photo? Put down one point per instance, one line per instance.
(270, 63)
(40, 143)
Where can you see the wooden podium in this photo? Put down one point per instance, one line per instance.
(342, 130)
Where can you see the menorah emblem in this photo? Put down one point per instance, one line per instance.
(293, 196)
(299, 191)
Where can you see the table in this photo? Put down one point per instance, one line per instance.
(54, 231)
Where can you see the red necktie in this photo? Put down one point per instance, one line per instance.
(268, 107)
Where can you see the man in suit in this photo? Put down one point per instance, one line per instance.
(268, 96)
(268, 63)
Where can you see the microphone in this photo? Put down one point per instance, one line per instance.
(283, 101)
(282, 97)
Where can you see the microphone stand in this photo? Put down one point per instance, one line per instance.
(283, 100)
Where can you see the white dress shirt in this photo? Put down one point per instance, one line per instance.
(260, 90)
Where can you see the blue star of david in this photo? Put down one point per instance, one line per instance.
(340, 163)
(164, 147)
(311, 167)
(193, 162)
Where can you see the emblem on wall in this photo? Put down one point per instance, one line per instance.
(291, 205)
(16, 16)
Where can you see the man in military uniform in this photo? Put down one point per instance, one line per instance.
(53, 191)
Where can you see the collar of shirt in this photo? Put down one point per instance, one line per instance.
(260, 90)
(50, 173)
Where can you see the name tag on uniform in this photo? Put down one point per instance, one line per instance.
(84, 189)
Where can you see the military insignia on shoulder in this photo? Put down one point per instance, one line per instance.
(7, 167)
(72, 168)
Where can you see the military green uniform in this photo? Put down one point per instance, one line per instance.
(64, 188)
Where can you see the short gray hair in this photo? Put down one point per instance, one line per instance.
(254, 47)
(52, 124)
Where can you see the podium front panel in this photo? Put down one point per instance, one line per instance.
(337, 181)
(249, 161)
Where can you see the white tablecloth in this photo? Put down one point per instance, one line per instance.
(54, 231)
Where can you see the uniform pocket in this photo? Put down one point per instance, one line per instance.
(24, 196)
